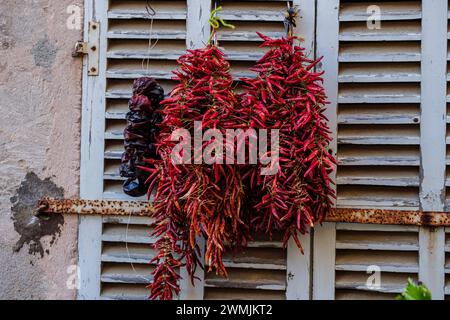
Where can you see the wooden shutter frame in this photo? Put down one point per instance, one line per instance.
(92, 153)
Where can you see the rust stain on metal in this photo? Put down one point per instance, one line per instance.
(94, 207)
(392, 217)
(135, 208)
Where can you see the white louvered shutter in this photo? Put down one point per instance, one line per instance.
(389, 138)
(379, 106)
(126, 248)
(114, 252)
(118, 265)
(383, 117)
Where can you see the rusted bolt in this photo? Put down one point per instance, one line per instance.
(40, 211)
(93, 69)
(42, 206)
(93, 48)
(416, 119)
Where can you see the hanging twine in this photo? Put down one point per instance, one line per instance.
(289, 21)
(216, 22)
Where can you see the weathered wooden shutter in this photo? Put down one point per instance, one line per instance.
(387, 89)
(116, 265)
(389, 141)
(114, 252)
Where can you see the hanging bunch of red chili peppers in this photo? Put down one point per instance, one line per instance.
(226, 203)
(195, 200)
(287, 95)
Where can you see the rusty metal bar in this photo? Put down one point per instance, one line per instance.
(94, 207)
(392, 217)
(136, 208)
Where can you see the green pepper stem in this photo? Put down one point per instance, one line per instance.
(215, 22)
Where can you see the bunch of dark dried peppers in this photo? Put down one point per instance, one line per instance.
(227, 203)
(140, 134)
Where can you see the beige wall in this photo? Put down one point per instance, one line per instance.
(40, 103)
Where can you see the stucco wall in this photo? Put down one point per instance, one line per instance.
(40, 103)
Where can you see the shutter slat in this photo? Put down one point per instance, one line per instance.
(408, 176)
(358, 282)
(379, 77)
(387, 140)
(357, 11)
(126, 273)
(378, 155)
(139, 14)
(378, 161)
(376, 228)
(378, 118)
(127, 253)
(160, 55)
(120, 291)
(388, 261)
(378, 240)
(375, 202)
(246, 36)
(243, 294)
(248, 279)
(147, 34)
(127, 234)
(133, 74)
(379, 72)
(130, 220)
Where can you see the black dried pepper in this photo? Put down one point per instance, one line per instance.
(139, 134)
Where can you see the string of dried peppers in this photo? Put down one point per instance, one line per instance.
(140, 134)
(226, 203)
(193, 200)
(287, 95)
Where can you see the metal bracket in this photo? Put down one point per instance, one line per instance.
(90, 48)
(80, 49)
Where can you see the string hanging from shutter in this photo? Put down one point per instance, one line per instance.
(289, 20)
(151, 14)
(142, 125)
(215, 22)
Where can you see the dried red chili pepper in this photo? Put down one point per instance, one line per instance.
(289, 97)
(195, 200)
